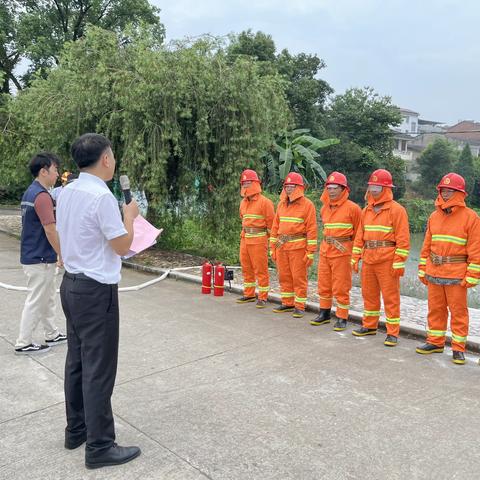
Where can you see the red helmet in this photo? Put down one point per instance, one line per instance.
(249, 176)
(453, 181)
(337, 178)
(293, 178)
(381, 177)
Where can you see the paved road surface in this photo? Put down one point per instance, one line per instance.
(214, 390)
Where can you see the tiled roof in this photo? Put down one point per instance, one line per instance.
(467, 131)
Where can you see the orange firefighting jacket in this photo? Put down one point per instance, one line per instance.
(452, 230)
(340, 218)
(389, 222)
(256, 211)
(298, 218)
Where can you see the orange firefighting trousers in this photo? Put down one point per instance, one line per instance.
(376, 279)
(442, 298)
(335, 280)
(293, 276)
(254, 262)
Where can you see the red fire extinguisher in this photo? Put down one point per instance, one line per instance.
(206, 278)
(219, 280)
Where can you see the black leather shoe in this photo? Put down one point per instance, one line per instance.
(297, 313)
(458, 357)
(340, 325)
(362, 331)
(322, 318)
(73, 442)
(391, 341)
(427, 348)
(115, 455)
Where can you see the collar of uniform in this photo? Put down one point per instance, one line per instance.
(88, 177)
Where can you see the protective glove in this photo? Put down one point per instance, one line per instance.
(467, 284)
(273, 254)
(308, 259)
(355, 265)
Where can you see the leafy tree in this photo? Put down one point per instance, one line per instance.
(464, 167)
(435, 161)
(184, 123)
(259, 46)
(305, 93)
(43, 26)
(295, 151)
(364, 117)
(362, 120)
(9, 53)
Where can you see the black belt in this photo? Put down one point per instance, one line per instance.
(78, 276)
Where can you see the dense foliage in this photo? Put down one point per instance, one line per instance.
(38, 29)
(184, 122)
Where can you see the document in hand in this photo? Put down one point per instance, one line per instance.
(144, 236)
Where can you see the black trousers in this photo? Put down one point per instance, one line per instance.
(91, 310)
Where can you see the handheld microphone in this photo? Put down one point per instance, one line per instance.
(125, 185)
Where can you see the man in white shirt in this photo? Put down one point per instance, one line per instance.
(92, 239)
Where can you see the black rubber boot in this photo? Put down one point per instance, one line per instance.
(391, 341)
(458, 357)
(246, 299)
(362, 332)
(284, 309)
(322, 318)
(428, 348)
(340, 325)
(297, 313)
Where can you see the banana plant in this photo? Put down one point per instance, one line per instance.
(296, 151)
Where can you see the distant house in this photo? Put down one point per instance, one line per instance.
(465, 132)
(403, 134)
(409, 121)
(414, 134)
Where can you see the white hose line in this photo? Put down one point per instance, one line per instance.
(146, 284)
(13, 287)
(132, 288)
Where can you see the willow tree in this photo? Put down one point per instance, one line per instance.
(184, 121)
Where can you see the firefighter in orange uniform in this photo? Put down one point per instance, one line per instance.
(293, 244)
(340, 217)
(382, 243)
(256, 212)
(449, 265)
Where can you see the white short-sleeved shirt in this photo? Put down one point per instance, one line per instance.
(87, 218)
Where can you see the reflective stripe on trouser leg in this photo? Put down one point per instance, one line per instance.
(258, 253)
(437, 318)
(371, 296)
(285, 278)
(390, 288)
(457, 304)
(300, 276)
(248, 271)
(341, 284)
(324, 282)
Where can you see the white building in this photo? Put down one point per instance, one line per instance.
(409, 123)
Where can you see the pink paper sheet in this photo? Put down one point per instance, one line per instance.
(144, 236)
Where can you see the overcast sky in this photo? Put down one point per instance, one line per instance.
(425, 54)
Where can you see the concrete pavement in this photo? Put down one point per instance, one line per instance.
(214, 390)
